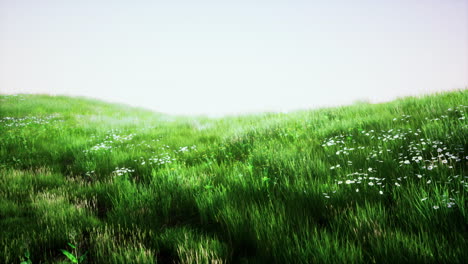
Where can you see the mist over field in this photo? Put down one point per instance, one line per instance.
(220, 58)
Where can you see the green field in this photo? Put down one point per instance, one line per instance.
(367, 183)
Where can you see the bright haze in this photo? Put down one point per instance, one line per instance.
(229, 57)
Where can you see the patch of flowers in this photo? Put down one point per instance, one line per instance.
(445, 201)
(165, 157)
(110, 141)
(337, 140)
(185, 149)
(29, 120)
(405, 118)
(122, 171)
(161, 159)
(418, 156)
(430, 154)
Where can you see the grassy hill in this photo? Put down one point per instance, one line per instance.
(374, 183)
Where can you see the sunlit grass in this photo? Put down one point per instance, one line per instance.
(379, 183)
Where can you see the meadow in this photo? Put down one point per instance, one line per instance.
(83, 181)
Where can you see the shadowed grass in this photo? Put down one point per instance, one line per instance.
(373, 183)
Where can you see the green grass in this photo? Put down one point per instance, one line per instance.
(367, 183)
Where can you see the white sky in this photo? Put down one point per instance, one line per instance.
(220, 57)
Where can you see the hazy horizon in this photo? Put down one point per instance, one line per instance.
(230, 57)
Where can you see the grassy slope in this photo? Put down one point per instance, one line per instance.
(127, 185)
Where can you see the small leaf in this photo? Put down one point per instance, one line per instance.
(70, 256)
(265, 179)
(83, 257)
(71, 245)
